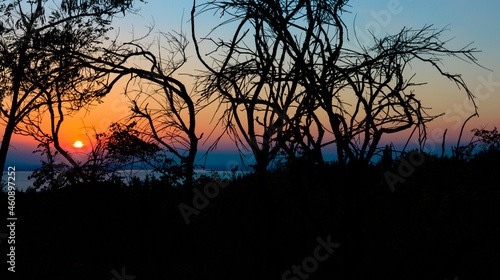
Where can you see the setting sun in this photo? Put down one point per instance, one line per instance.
(78, 144)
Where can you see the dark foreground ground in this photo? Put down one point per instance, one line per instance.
(442, 222)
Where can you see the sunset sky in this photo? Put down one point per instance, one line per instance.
(467, 21)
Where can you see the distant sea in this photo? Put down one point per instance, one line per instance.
(22, 182)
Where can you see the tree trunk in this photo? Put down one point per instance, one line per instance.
(7, 136)
(261, 162)
(271, 260)
(189, 166)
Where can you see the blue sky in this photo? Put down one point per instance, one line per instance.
(467, 22)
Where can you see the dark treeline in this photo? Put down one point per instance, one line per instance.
(440, 222)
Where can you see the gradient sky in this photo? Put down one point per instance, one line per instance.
(467, 21)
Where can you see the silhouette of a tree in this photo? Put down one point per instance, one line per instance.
(256, 83)
(482, 138)
(59, 65)
(385, 101)
(73, 89)
(486, 137)
(36, 75)
(287, 59)
(164, 110)
(119, 150)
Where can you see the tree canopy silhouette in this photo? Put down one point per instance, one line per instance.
(67, 63)
(165, 111)
(37, 75)
(287, 64)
